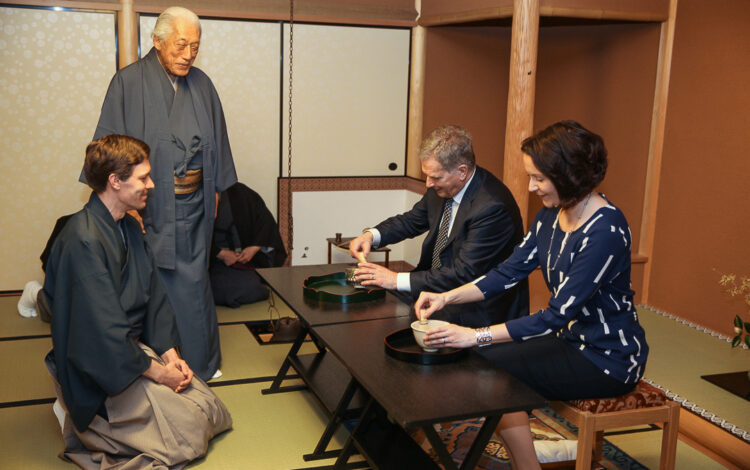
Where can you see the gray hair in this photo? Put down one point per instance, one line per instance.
(450, 146)
(164, 26)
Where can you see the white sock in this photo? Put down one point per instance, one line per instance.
(217, 374)
(27, 302)
(59, 413)
(555, 451)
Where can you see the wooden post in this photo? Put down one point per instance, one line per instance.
(127, 33)
(416, 102)
(656, 146)
(520, 115)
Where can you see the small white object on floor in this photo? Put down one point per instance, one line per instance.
(217, 374)
(555, 451)
(27, 302)
(59, 413)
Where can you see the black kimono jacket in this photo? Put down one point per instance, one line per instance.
(105, 296)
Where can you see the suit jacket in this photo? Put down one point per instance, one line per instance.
(486, 228)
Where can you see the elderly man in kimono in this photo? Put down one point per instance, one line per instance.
(173, 107)
(126, 398)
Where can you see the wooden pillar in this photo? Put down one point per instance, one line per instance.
(656, 146)
(520, 115)
(416, 102)
(127, 33)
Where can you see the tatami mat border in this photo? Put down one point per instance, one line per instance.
(695, 326)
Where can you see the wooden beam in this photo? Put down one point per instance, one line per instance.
(467, 16)
(127, 34)
(521, 90)
(656, 147)
(416, 102)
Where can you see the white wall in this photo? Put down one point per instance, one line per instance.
(321, 214)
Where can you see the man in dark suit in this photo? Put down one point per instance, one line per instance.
(472, 221)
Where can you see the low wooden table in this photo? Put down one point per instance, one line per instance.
(352, 376)
(418, 396)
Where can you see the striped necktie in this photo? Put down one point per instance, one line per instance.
(442, 236)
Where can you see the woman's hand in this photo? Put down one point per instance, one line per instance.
(429, 303)
(248, 253)
(452, 336)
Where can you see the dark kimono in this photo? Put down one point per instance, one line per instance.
(111, 320)
(105, 296)
(185, 130)
(243, 220)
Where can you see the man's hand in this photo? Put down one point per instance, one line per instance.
(371, 274)
(172, 358)
(248, 253)
(229, 257)
(362, 243)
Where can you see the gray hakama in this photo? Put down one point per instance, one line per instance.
(185, 130)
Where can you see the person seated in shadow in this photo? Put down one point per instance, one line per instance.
(587, 343)
(246, 237)
(126, 398)
(27, 303)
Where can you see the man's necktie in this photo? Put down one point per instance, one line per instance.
(442, 236)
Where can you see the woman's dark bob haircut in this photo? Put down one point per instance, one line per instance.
(571, 156)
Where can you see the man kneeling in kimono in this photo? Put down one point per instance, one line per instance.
(128, 398)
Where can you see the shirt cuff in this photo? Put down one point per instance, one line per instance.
(375, 237)
(403, 282)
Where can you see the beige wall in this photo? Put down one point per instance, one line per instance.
(703, 217)
(54, 70)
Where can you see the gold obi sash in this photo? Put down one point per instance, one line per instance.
(190, 183)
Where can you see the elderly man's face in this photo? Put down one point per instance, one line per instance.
(178, 52)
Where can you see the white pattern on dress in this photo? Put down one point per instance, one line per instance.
(601, 273)
(567, 304)
(604, 323)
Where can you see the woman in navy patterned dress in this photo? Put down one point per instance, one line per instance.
(587, 343)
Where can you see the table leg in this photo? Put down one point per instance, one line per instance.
(348, 449)
(480, 442)
(281, 374)
(333, 424)
(329, 252)
(437, 444)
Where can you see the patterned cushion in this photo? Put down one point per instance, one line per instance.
(643, 396)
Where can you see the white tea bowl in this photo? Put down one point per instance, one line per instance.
(419, 329)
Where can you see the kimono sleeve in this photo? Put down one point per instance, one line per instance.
(99, 342)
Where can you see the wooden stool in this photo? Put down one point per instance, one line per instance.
(644, 405)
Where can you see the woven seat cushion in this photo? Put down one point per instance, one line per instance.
(643, 396)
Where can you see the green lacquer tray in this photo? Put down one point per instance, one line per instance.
(334, 288)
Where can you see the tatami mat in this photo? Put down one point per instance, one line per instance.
(14, 325)
(273, 431)
(243, 357)
(681, 354)
(24, 376)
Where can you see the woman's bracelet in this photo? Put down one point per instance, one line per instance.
(484, 336)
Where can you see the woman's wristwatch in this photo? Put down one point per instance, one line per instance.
(484, 336)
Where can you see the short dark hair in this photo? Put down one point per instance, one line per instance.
(112, 153)
(450, 145)
(571, 156)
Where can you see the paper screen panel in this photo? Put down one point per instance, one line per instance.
(56, 66)
(350, 88)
